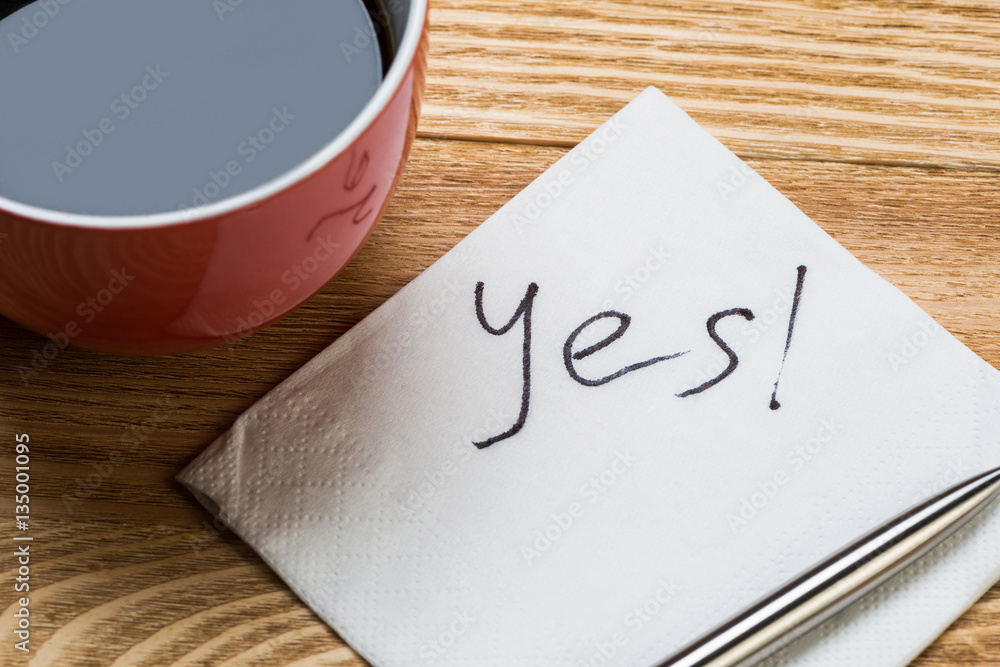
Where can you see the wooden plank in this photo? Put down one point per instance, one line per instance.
(895, 83)
(130, 569)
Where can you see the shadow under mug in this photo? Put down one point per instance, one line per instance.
(174, 282)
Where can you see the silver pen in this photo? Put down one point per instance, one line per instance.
(831, 585)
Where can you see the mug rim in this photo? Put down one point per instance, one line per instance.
(402, 61)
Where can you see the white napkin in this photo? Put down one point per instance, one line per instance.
(610, 521)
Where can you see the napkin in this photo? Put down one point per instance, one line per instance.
(645, 392)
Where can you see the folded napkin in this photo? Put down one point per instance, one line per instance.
(645, 392)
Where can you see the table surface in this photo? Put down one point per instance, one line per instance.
(880, 120)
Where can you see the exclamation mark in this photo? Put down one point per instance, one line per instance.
(788, 341)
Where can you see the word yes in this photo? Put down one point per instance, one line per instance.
(571, 354)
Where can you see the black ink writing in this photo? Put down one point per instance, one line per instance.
(571, 355)
(733, 359)
(523, 311)
(788, 340)
(623, 324)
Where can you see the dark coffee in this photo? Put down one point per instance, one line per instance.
(130, 107)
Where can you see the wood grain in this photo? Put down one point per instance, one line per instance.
(909, 83)
(879, 120)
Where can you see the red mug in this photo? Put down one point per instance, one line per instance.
(172, 282)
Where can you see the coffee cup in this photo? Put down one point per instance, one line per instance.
(171, 180)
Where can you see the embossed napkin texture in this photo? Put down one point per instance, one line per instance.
(644, 393)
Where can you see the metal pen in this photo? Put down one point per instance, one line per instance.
(833, 584)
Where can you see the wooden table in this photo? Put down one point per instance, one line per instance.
(881, 120)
